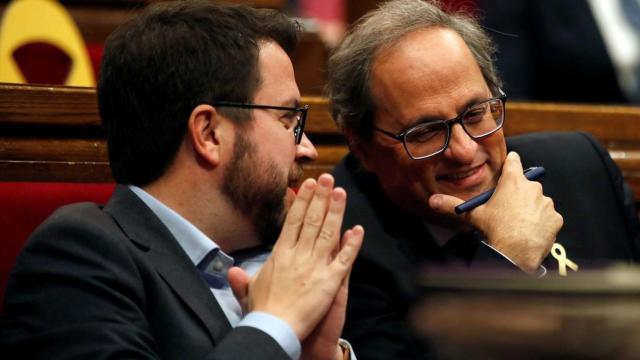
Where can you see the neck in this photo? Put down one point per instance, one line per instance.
(206, 208)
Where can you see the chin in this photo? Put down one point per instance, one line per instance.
(467, 191)
(468, 194)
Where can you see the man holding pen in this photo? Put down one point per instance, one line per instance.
(415, 92)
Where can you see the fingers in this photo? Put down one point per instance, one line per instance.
(512, 165)
(444, 204)
(315, 216)
(352, 242)
(314, 220)
(346, 237)
(295, 217)
(328, 238)
(239, 282)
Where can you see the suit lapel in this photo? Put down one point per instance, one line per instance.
(395, 240)
(147, 231)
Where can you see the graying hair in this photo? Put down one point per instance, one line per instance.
(350, 63)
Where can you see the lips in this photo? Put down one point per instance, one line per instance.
(295, 176)
(460, 175)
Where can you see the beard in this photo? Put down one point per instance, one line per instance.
(257, 189)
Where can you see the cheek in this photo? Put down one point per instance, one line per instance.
(414, 178)
(401, 177)
(425, 176)
(496, 149)
(278, 151)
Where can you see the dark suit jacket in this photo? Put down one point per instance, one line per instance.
(112, 282)
(553, 51)
(600, 224)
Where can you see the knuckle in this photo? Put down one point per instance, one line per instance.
(313, 219)
(344, 257)
(336, 208)
(293, 219)
(536, 185)
(326, 234)
(551, 202)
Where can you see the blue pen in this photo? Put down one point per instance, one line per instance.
(532, 173)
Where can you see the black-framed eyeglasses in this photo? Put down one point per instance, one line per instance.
(430, 138)
(297, 114)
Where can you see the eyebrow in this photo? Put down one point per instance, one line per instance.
(291, 102)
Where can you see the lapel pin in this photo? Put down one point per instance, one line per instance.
(560, 254)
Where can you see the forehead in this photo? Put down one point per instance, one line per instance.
(277, 80)
(426, 73)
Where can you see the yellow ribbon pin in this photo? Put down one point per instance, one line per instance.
(560, 254)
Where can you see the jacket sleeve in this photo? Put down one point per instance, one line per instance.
(79, 291)
(73, 293)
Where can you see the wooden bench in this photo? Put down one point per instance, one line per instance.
(53, 133)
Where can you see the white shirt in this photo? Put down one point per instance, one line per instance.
(621, 41)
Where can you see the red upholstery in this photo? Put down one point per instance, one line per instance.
(24, 205)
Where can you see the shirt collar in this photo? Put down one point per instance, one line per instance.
(193, 241)
(441, 234)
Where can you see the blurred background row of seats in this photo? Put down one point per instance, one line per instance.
(576, 51)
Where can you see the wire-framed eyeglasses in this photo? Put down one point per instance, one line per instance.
(430, 138)
(294, 118)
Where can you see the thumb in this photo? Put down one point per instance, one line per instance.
(444, 204)
(239, 282)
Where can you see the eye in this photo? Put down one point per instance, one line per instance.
(289, 119)
(425, 133)
(475, 114)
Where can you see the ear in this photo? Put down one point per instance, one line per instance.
(204, 131)
(359, 149)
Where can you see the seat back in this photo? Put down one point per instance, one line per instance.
(24, 205)
(42, 21)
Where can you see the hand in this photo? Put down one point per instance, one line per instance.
(323, 340)
(307, 269)
(239, 283)
(518, 220)
(322, 343)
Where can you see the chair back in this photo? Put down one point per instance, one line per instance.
(42, 21)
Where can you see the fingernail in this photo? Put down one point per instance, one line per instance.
(325, 180)
(309, 184)
(435, 201)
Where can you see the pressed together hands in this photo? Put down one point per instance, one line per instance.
(305, 280)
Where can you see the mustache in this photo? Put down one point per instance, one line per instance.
(295, 176)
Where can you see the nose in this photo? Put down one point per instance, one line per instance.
(305, 151)
(462, 148)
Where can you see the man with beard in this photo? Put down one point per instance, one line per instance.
(415, 91)
(205, 136)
